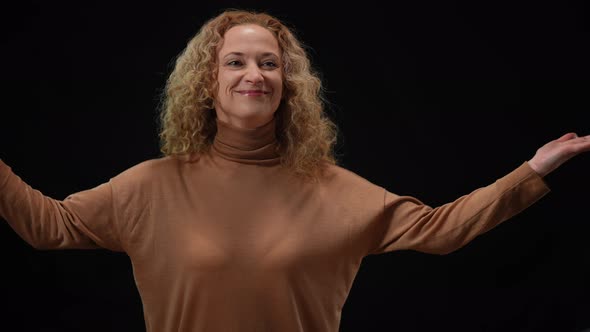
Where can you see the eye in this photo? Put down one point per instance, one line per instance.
(269, 64)
(234, 63)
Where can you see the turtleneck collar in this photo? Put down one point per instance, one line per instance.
(245, 145)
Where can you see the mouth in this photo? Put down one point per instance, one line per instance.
(253, 92)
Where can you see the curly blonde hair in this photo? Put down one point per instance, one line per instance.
(306, 136)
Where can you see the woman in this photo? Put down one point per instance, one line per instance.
(247, 223)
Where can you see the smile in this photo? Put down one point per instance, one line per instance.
(253, 92)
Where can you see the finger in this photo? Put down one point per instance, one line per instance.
(583, 139)
(567, 136)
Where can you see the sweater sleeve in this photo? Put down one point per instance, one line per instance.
(84, 220)
(407, 223)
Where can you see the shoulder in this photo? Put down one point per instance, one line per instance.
(333, 172)
(160, 166)
(340, 178)
(152, 170)
(147, 167)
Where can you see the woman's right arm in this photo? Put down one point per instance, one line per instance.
(84, 220)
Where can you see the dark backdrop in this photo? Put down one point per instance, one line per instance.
(433, 99)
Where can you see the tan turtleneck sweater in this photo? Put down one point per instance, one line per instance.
(231, 241)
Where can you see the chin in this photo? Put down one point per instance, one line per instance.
(257, 115)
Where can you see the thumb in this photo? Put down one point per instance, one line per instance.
(567, 136)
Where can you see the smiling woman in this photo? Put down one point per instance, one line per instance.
(249, 77)
(247, 223)
(234, 54)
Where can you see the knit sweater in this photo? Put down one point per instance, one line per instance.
(231, 240)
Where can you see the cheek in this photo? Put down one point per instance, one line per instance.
(278, 85)
(225, 81)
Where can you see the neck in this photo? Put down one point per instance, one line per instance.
(244, 123)
(247, 145)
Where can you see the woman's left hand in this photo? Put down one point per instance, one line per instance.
(553, 154)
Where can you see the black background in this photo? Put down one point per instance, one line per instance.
(433, 99)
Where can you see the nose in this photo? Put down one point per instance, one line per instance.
(253, 75)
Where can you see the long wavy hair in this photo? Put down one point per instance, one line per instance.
(306, 136)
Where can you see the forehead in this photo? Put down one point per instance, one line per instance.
(249, 38)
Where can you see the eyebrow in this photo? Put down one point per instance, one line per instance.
(242, 54)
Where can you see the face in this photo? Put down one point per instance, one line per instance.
(250, 77)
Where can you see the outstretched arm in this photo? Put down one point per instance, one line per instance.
(410, 224)
(83, 220)
(553, 154)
